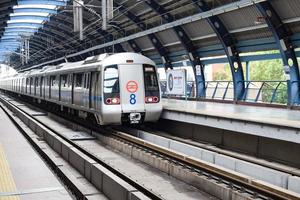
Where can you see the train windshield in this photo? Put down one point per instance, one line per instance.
(152, 94)
(150, 77)
(111, 80)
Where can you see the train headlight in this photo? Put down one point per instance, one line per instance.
(115, 100)
(112, 101)
(151, 99)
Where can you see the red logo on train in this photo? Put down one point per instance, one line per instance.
(132, 86)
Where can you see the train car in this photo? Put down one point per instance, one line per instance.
(112, 89)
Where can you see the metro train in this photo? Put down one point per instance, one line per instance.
(108, 88)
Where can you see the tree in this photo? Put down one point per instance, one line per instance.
(223, 75)
(268, 70)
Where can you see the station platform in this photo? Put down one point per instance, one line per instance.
(23, 174)
(275, 123)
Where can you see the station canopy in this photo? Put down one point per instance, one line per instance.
(25, 19)
(167, 31)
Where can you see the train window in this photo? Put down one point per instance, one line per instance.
(52, 80)
(47, 81)
(111, 80)
(84, 80)
(78, 80)
(63, 80)
(36, 82)
(31, 81)
(150, 78)
(87, 81)
(70, 80)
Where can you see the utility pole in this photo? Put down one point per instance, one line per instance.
(78, 17)
(24, 50)
(107, 12)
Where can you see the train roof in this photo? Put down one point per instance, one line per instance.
(93, 62)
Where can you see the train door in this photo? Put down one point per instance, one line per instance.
(64, 88)
(42, 87)
(51, 87)
(47, 87)
(132, 88)
(31, 87)
(23, 85)
(78, 89)
(56, 88)
(95, 90)
(19, 85)
(86, 90)
(37, 86)
(27, 86)
(70, 85)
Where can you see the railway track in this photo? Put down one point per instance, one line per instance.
(139, 187)
(244, 185)
(255, 188)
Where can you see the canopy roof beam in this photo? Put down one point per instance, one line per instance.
(287, 51)
(230, 49)
(188, 45)
(162, 51)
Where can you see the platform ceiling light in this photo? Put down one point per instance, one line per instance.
(21, 27)
(38, 6)
(21, 14)
(25, 20)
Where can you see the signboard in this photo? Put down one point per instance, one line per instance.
(286, 69)
(176, 82)
(198, 70)
(132, 86)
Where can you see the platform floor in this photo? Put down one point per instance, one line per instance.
(23, 174)
(266, 115)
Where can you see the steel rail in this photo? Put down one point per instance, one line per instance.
(257, 185)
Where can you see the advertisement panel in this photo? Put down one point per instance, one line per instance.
(176, 82)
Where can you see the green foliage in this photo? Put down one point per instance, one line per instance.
(269, 70)
(224, 74)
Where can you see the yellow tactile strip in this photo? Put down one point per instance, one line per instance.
(7, 183)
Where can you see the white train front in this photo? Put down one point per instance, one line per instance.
(110, 89)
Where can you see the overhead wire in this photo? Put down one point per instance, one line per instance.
(91, 26)
(72, 39)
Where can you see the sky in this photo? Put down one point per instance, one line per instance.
(25, 20)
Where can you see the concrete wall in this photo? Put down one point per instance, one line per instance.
(260, 172)
(280, 151)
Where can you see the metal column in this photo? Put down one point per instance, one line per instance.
(230, 49)
(188, 45)
(282, 37)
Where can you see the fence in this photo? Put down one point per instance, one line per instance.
(255, 91)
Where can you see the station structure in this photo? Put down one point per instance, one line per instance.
(236, 139)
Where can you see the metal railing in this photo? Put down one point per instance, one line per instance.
(270, 92)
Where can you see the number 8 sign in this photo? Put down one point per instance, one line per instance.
(132, 99)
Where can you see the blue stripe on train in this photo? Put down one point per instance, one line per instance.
(94, 98)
